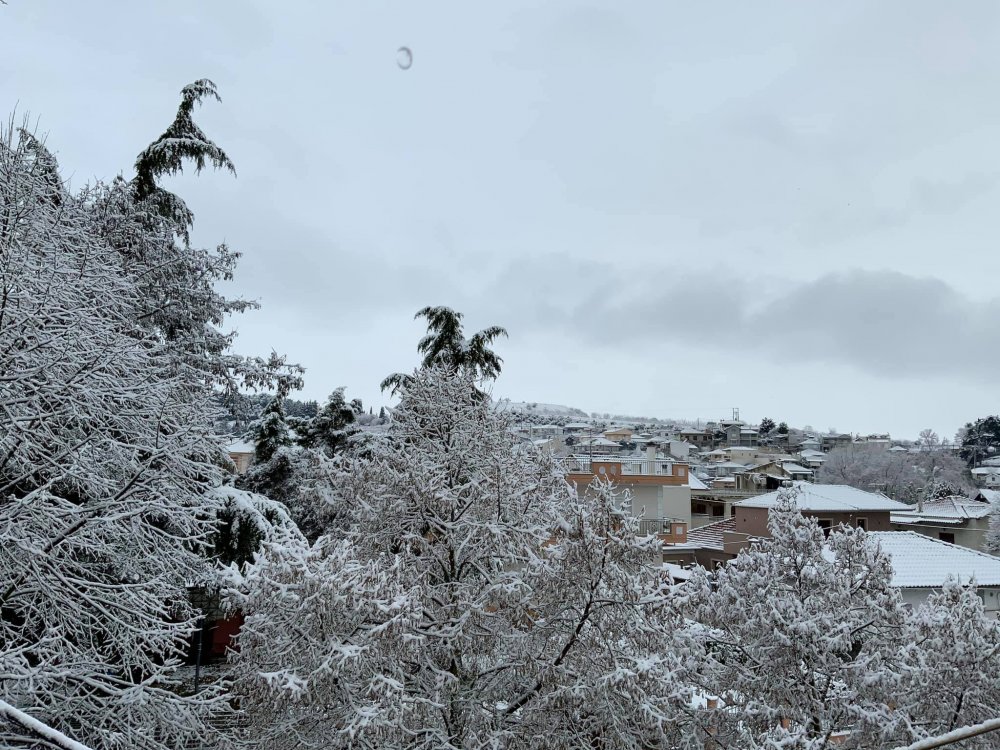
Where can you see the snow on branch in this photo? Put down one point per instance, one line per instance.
(44, 731)
(957, 735)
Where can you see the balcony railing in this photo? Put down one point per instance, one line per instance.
(630, 465)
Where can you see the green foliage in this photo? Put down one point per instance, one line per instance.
(270, 432)
(332, 426)
(782, 428)
(980, 439)
(445, 345)
(182, 141)
(766, 425)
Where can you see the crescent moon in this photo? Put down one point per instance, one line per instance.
(404, 58)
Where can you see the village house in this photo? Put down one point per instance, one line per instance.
(986, 476)
(829, 442)
(657, 487)
(242, 454)
(619, 434)
(702, 439)
(956, 520)
(922, 564)
(812, 459)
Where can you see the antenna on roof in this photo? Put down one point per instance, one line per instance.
(736, 414)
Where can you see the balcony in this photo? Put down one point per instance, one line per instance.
(616, 466)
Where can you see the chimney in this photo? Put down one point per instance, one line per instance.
(650, 459)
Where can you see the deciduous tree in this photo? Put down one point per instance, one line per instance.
(477, 601)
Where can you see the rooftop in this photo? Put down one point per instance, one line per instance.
(695, 483)
(828, 497)
(240, 446)
(949, 509)
(707, 537)
(920, 561)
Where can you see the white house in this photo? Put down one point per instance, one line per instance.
(921, 565)
(987, 476)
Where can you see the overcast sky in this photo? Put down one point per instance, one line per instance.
(674, 208)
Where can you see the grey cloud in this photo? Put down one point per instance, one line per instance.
(882, 323)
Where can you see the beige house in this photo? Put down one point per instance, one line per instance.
(954, 519)
(242, 454)
(618, 434)
(654, 487)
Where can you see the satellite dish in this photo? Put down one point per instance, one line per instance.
(404, 58)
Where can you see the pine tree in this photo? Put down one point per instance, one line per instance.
(270, 432)
(332, 427)
(445, 346)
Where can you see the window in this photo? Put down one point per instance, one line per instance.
(716, 564)
(862, 524)
(946, 536)
(699, 508)
(667, 470)
(826, 524)
(718, 510)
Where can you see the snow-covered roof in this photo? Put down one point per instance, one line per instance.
(794, 468)
(677, 572)
(920, 561)
(985, 470)
(579, 426)
(828, 497)
(695, 483)
(729, 465)
(990, 496)
(898, 449)
(602, 441)
(810, 453)
(949, 509)
(709, 536)
(240, 446)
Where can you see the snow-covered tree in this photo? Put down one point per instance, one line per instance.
(270, 432)
(903, 476)
(109, 348)
(300, 479)
(244, 523)
(928, 439)
(801, 635)
(445, 346)
(476, 601)
(105, 458)
(332, 427)
(950, 666)
(179, 301)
